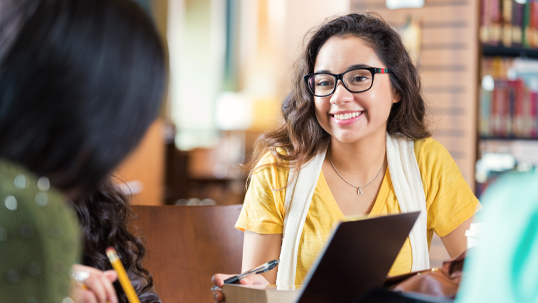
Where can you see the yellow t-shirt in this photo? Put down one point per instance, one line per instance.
(449, 202)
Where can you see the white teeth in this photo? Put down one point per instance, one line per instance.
(346, 116)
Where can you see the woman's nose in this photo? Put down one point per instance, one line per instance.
(341, 95)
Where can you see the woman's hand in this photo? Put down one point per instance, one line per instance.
(218, 280)
(97, 287)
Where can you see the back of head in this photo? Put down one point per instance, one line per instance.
(80, 82)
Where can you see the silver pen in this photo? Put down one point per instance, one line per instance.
(258, 270)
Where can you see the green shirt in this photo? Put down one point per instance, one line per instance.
(39, 238)
(504, 265)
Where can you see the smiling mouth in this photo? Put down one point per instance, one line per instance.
(347, 116)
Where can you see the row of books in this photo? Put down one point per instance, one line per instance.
(496, 67)
(509, 23)
(510, 110)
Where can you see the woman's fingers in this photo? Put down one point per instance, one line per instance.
(218, 280)
(85, 296)
(111, 275)
(98, 286)
(217, 294)
(254, 280)
(110, 292)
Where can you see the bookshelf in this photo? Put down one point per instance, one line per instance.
(508, 110)
(501, 51)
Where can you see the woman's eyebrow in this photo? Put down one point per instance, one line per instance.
(358, 66)
(323, 71)
(349, 68)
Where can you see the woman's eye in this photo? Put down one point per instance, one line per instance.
(324, 83)
(358, 79)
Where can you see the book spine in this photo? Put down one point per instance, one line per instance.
(485, 21)
(507, 23)
(485, 113)
(526, 114)
(534, 21)
(534, 114)
(517, 23)
(517, 121)
(496, 107)
(526, 35)
(509, 112)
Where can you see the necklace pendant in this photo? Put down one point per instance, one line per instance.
(359, 191)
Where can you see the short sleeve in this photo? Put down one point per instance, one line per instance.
(449, 199)
(263, 209)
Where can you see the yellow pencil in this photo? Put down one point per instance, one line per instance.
(122, 275)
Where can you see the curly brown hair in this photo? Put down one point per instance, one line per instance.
(300, 135)
(104, 216)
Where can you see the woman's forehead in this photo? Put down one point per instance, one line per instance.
(340, 53)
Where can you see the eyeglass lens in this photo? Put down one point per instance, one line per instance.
(357, 80)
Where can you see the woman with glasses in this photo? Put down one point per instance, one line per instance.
(353, 143)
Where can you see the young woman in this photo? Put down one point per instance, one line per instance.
(356, 111)
(80, 82)
(104, 216)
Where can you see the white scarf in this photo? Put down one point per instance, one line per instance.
(408, 187)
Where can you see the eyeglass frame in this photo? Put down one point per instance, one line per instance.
(372, 70)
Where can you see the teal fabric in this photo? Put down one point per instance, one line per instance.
(39, 239)
(504, 266)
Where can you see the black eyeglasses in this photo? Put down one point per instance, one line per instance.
(355, 80)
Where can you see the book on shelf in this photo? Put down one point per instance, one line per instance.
(485, 112)
(509, 23)
(235, 293)
(509, 111)
(533, 24)
(517, 23)
(533, 115)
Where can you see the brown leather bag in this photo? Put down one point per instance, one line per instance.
(440, 282)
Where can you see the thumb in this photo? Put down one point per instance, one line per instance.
(111, 275)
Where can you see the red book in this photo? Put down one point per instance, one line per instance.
(526, 115)
(534, 114)
(517, 108)
(509, 110)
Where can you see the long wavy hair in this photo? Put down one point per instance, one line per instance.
(104, 216)
(300, 134)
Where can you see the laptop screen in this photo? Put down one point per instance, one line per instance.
(357, 258)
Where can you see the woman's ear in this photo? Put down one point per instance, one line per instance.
(396, 96)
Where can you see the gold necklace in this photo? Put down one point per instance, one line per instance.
(359, 188)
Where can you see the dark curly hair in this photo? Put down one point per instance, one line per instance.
(300, 135)
(80, 82)
(104, 217)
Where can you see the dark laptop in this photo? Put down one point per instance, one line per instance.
(357, 258)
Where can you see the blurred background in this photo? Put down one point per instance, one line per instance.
(230, 63)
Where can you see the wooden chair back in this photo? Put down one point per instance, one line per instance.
(187, 245)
